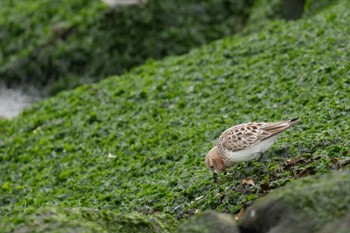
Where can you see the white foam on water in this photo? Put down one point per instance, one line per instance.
(13, 101)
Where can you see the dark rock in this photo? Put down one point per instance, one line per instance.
(307, 205)
(275, 217)
(210, 222)
(341, 225)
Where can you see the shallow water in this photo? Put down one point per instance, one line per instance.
(13, 101)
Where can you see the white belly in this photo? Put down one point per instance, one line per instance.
(253, 151)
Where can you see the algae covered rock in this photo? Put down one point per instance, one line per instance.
(210, 222)
(84, 220)
(306, 205)
(341, 225)
(137, 142)
(82, 41)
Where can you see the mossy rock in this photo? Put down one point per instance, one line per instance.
(70, 42)
(137, 142)
(305, 205)
(210, 222)
(269, 10)
(311, 7)
(265, 10)
(315, 204)
(341, 225)
(77, 220)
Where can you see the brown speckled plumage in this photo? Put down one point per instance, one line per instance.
(243, 142)
(242, 136)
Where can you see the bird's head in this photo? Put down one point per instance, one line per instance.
(214, 162)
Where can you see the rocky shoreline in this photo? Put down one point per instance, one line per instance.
(319, 203)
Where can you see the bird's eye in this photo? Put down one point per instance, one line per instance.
(212, 167)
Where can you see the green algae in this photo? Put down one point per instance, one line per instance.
(85, 220)
(63, 44)
(137, 142)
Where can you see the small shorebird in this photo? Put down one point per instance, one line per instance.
(244, 142)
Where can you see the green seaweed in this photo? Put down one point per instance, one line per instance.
(136, 142)
(85, 220)
(63, 44)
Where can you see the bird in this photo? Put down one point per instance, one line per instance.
(244, 142)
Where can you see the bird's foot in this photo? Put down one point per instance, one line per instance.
(261, 155)
(215, 177)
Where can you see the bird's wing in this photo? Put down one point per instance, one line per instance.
(243, 136)
(273, 128)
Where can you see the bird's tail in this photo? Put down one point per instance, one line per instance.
(278, 127)
(293, 121)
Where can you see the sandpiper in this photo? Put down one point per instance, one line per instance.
(244, 142)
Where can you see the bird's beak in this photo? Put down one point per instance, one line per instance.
(215, 177)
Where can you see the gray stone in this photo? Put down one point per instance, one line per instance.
(210, 222)
(307, 205)
(341, 225)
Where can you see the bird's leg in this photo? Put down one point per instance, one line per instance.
(261, 155)
(215, 177)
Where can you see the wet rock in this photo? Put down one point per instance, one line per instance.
(307, 205)
(210, 222)
(341, 225)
